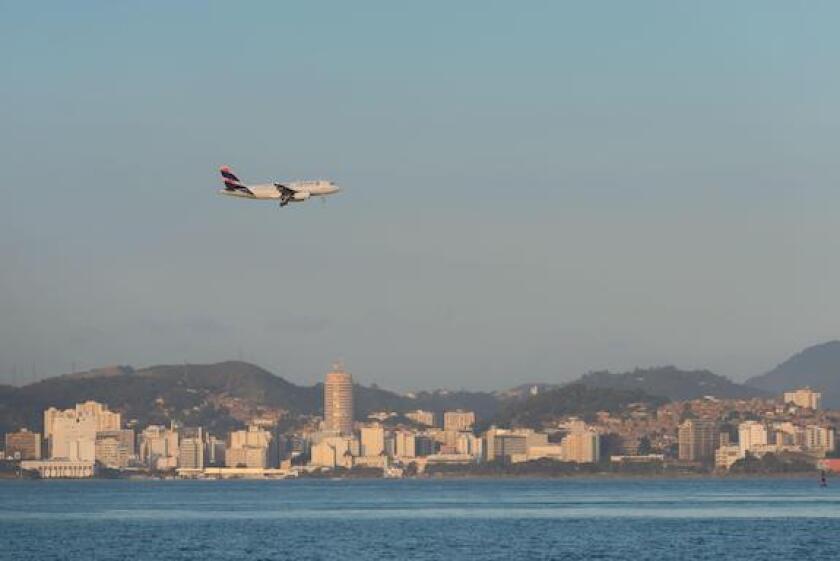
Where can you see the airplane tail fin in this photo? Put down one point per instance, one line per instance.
(232, 182)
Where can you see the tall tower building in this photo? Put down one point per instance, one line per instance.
(338, 401)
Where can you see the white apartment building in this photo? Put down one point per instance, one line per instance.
(804, 397)
(751, 435)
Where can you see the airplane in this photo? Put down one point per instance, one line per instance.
(289, 192)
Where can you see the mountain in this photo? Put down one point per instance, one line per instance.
(574, 399)
(524, 391)
(817, 366)
(217, 396)
(672, 383)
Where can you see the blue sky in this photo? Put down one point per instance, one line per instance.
(531, 191)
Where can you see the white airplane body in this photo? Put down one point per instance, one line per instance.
(287, 192)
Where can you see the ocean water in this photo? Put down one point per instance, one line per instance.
(568, 518)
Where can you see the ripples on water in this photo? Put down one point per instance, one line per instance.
(461, 519)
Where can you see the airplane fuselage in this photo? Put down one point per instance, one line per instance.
(271, 191)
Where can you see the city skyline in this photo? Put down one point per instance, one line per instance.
(787, 432)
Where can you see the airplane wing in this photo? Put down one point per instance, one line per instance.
(290, 187)
(287, 193)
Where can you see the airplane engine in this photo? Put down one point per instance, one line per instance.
(301, 196)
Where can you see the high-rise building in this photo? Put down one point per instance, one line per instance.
(751, 434)
(23, 445)
(373, 440)
(191, 449)
(469, 445)
(421, 417)
(114, 448)
(697, 439)
(727, 455)
(105, 419)
(214, 451)
(505, 446)
(404, 444)
(71, 434)
(819, 438)
(254, 447)
(159, 447)
(582, 444)
(424, 446)
(335, 451)
(338, 401)
(458, 420)
(804, 397)
(72, 437)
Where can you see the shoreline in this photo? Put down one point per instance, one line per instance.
(455, 477)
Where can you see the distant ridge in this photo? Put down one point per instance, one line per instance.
(673, 383)
(572, 399)
(817, 366)
(103, 372)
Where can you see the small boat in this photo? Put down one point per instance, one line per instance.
(823, 480)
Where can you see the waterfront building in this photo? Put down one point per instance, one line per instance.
(582, 444)
(338, 401)
(819, 439)
(159, 447)
(380, 462)
(71, 434)
(424, 445)
(191, 449)
(696, 440)
(509, 447)
(804, 397)
(752, 435)
(335, 451)
(73, 437)
(23, 445)
(549, 451)
(105, 419)
(404, 444)
(426, 418)
(469, 444)
(65, 469)
(254, 447)
(458, 420)
(114, 448)
(373, 440)
(786, 434)
(727, 455)
(214, 451)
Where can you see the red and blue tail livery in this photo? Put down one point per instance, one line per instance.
(232, 182)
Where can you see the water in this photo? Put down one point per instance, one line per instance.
(572, 518)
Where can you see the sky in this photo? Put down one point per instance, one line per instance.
(532, 190)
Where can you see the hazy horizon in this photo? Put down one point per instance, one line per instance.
(530, 192)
